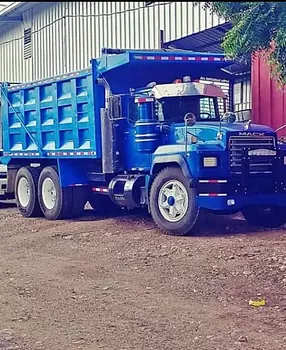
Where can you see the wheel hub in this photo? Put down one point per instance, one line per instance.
(24, 192)
(49, 193)
(173, 201)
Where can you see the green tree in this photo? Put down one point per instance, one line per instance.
(258, 27)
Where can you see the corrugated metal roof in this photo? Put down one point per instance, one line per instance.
(210, 40)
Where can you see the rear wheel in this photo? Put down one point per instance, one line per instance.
(26, 192)
(271, 217)
(56, 202)
(173, 203)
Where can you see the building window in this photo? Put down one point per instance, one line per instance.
(27, 43)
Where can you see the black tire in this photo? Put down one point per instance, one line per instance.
(31, 175)
(102, 204)
(189, 222)
(63, 206)
(265, 217)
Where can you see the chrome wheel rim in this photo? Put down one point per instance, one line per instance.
(173, 201)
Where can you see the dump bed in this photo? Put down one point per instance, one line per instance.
(54, 117)
(60, 117)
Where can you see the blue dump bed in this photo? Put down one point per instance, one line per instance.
(52, 118)
(60, 116)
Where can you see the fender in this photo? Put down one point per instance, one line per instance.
(72, 172)
(172, 158)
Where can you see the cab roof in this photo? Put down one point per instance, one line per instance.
(187, 89)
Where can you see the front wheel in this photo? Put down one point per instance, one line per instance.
(271, 217)
(173, 203)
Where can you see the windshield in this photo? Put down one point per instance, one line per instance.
(173, 109)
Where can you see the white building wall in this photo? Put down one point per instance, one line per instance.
(66, 35)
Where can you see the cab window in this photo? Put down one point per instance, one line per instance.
(173, 109)
(207, 108)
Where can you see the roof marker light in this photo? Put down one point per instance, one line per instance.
(181, 58)
(143, 99)
(187, 79)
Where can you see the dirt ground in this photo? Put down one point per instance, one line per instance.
(118, 283)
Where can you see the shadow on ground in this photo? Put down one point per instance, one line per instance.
(7, 204)
(210, 225)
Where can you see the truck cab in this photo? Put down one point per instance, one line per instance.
(198, 157)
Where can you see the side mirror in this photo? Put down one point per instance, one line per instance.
(190, 119)
(229, 117)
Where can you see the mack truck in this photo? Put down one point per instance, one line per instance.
(140, 129)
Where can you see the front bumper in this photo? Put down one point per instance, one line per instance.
(233, 194)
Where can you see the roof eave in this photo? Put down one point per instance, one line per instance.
(7, 9)
(14, 12)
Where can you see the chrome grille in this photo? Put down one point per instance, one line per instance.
(240, 145)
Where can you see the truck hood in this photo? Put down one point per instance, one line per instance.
(208, 131)
(234, 128)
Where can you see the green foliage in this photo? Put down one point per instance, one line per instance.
(258, 27)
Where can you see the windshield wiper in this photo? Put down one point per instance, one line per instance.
(188, 132)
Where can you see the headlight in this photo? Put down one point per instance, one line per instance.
(284, 160)
(209, 162)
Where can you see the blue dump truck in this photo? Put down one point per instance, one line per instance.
(140, 129)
